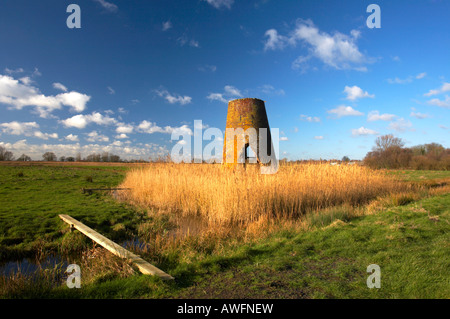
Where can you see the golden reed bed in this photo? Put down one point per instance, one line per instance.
(223, 195)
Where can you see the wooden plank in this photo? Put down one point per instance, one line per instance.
(145, 267)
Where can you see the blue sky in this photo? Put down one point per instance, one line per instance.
(136, 71)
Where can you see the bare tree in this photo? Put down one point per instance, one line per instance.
(382, 143)
(49, 157)
(24, 158)
(5, 155)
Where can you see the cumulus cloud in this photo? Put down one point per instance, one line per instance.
(121, 136)
(441, 103)
(174, 98)
(419, 115)
(376, 116)
(150, 128)
(343, 110)
(221, 3)
(337, 50)
(26, 129)
(124, 128)
(81, 121)
(230, 92)
(409, 79)
(26, 80)
(18, 95)
(71, 137)
(363, 131)
(355, 92)
(401, 125)
(19, 128)
(95, 137)
(444, 88)
(311, 119)
(60, 87)
(275, 41)
(217, 97)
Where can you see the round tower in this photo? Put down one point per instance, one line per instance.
(247, 128)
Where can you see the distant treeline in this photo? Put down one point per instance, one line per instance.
(51, 157)
(389, 152)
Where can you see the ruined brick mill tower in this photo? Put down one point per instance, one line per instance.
(248, 114)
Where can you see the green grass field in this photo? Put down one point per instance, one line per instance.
(410, 243)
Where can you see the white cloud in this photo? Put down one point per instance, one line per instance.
(420, 116)
(275, 41)
(166, 25)
(401, 125)
(18, 95)
(124, 128)
(184, 39)
(45, 136)
(36, 72)
(311, 119)
(194, 43)
(71, 137)
(409, 79)
(109, 6)
(26, 80)
(270, 90)
(441, 103)
(217, 97)
(60, 86)
(318, 137)
(19, 128)
(343, 110)
(121, 136)
(111, 90)
(338, 50)
(363, 131)
(421, 75)
(444, 88)
(72, 149)
(355, 92)
(174, 98)
(95, 137)
(376, 116)
(283, 138)
(220, 3)
(12, 71)
(81, 121)
(26, 129)
(150, 128)
(230, 92)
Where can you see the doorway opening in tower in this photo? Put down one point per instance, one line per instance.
(250, 156)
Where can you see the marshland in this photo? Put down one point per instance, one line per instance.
(308, 231)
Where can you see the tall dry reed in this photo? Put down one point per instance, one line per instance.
(221, 194)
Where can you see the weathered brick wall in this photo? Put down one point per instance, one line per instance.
(244, 113)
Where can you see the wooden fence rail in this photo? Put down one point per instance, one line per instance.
(144, 267)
